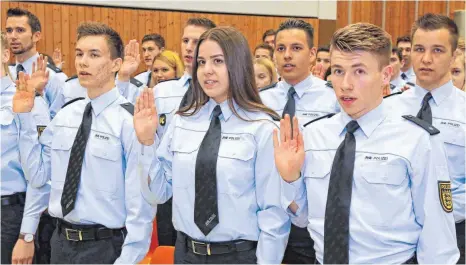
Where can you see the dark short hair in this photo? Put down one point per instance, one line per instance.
(405, 38)
(114, 41)
(398, 53)
(33, 21)
(299, 24)
(157, 38)
(265, 47)
(269, 32)
(201, 22)
(325, 48)
(431, 22)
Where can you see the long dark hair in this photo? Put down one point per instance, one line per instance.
(238, 60)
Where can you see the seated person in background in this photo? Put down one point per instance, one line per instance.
(152, 45)
(263, 51)
(167, 65)
(323, 57)
(269, 37)
(397, 62)
(264, 73)
(461, 47)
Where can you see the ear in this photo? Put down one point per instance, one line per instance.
(36, 37)
(116, 65)
(313, 54)
(387, 73)
(6, 56)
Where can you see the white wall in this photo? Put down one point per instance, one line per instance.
(325, 9)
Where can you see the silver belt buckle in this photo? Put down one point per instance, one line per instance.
(207, 245)
(80, 235)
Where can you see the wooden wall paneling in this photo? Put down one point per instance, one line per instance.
(4, 6)
(342, 13)
(456, 5)
(125, 24)
(40, 13)
(75, 15)
(112, 17)
(148, 23)
(65, 37)
(81, 14)
(437, 7)
(141, 29)
(155, 19)
(259, 30)
(162, 27)
(134, 25)
(399, 16)
(177, 31)
(104, 15)
(96, 14)
(89, 13)
(367, 11)
(56, 28)
(169, 36)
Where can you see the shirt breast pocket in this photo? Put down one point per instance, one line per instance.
(316, 177)
(454, 147)
(235, 167)
(185, 146)
(381, 194)
(107, 157)
(62, 142)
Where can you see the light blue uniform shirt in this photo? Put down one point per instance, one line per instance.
(248, 183)
(168, 96)
(395, 207)
(143, 77)
(313, 99)
(54, 86)
(12, 174)
(109, 192)
(73, 89)
(410, 74)
(448, 115)
(398, 82)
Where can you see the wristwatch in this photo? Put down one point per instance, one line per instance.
(28, 238)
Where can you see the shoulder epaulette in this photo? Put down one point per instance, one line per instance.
(411, 84)
(128, 107)
(12, 64)
(267, 87)
(135, 82)
(172, 79)
(280, 78)
(392, 86)
(72, 101)
(423, 124)
(54, 68)
(393, 94)
(320, 118)
(71, 78)
(329, 84)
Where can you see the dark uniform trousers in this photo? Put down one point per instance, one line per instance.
(12, 216)
(43, 236)
(103, 251)
(300, 248)
(166, 233)
(184, 255)
(460, 240)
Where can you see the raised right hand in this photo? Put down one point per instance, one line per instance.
(23, 100)
(131, 60)
(145, 117)
(289, 150)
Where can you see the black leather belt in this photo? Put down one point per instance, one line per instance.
(216, 248)
(17, 198)
(74, 232)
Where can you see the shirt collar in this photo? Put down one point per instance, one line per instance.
(226, 110)
(28, 63)
(184, 80)
(103, 101)
(6, 82)
(409, 72)
(367, 123)
(438, 94)
(300, 87)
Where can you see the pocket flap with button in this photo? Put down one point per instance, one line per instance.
(62, 143)
(6, 116)
(453, 136)
(318, 168)
(240, 151)
(384, 174)
(186, 141)
(167, 107)
(106, 151)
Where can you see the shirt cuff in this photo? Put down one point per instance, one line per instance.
(29, 225)
(292, 192)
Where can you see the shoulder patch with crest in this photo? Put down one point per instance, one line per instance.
(329, 84)
(444, 192)
(40, 129)
(392, 86)
(320, 118)
(267, 87)
(423, 124)
(163, 119)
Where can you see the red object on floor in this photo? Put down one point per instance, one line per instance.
(153, 245)
(163, 255)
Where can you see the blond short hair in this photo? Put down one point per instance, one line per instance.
(173, 60)
(461, 49)
(268, 64)
(363, 37)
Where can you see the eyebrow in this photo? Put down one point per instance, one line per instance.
(91, 50)
(352, 66)
(213, 56)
